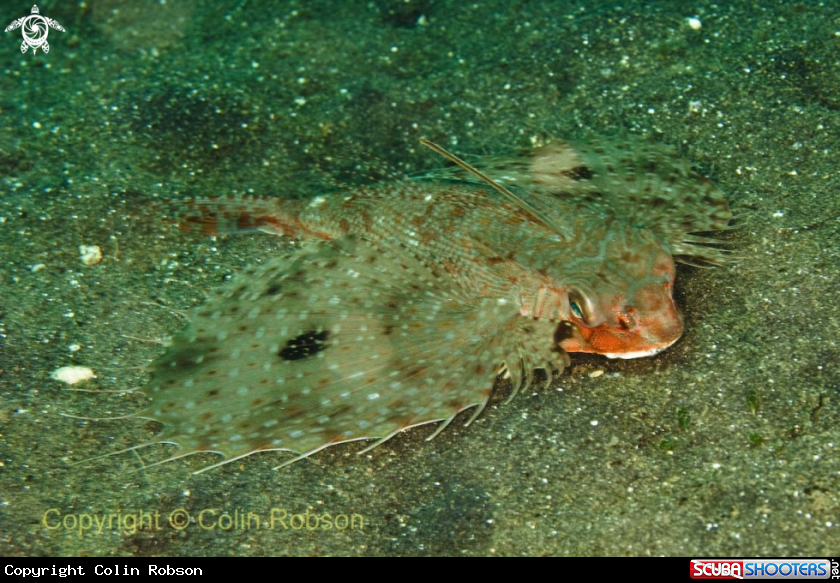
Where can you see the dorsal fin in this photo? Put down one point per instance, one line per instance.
(537, 215)
(646, 185)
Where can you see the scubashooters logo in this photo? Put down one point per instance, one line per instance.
(760, 569)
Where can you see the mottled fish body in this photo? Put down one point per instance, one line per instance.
(407, 299)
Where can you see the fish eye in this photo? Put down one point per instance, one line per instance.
(578, 305)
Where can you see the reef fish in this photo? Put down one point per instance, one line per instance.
(408, 299)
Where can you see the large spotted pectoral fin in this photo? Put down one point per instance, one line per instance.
(343, 341)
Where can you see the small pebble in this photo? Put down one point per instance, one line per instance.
(72, 374)
(91, 254)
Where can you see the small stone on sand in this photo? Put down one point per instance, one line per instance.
(91, 254)
(72, 374)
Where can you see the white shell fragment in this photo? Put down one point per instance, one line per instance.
(91, 254)
(72, 374)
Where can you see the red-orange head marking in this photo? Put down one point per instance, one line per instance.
(621, 302)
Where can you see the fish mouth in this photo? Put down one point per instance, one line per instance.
(613, 344)
(640, 353)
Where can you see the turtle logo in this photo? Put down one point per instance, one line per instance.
(35, 29)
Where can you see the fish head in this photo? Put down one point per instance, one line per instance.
(623, 305)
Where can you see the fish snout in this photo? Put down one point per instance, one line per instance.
(628, 333)
(639, 334)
